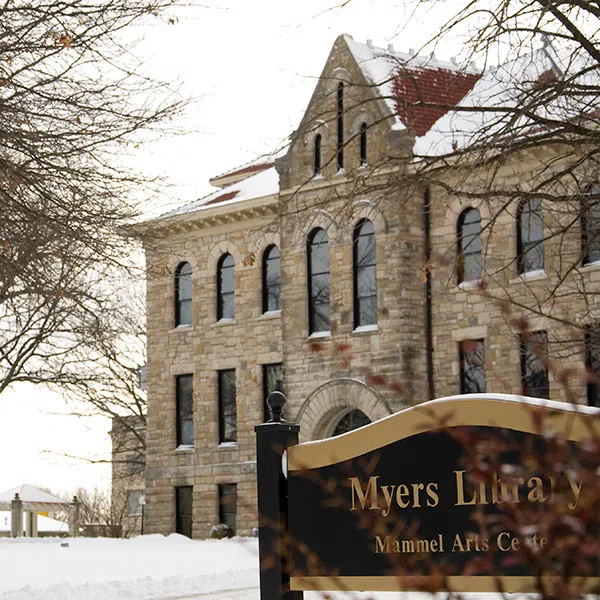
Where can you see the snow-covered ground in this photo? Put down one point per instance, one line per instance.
(150, 567)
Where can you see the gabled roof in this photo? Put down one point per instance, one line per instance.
(262, 184)
(262, 163)
(404, 80)
(33, 498)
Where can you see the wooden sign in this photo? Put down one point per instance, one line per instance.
(415, 496)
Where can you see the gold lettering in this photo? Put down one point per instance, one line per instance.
(396, 546)
(408, 546)
(515, 490)
(382, 546)
(537, 490)
(433, 545)
(457, 543)
(388, 496)
(417, 487)
(362, 496)
(401, 493)
(433, 499)
(499, 541)
(422, 546)
(576, 489)
(460, 491)
(499, 491)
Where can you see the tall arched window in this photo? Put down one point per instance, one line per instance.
(365, 274)
(590, 226)
(340, 126)
(271, 272)
(530, 236)
(469, 267)
(225, 287)
(183, 295)
(363, 144)
(318, 281)
(317, 165)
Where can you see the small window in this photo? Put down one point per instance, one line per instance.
(228, 505)
(351, 421)
(134, 503)
(472, 366)
(590, 226)
(227, 407)
(340, 127)
(534, 365)
(365, 275)
(469, 246)
(530, 236)
(226, 288)
(317, 165)
(183, 295)
(272, 382)
(318, 281)
(183, 510)
(592, 363)
(271, 279)
(363, 144)
(185, 410)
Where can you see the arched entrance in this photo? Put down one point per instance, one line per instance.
(339, 406)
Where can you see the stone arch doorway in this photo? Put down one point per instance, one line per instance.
(336, 406)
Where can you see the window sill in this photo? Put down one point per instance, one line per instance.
(222, 322)
(470, 285)
(591, 266)
(270, 314)
(182, 329)
(365, 329)
(184, 448)
(529, 276)
(227, 445)
(318, 335)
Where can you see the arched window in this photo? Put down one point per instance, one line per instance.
(225, 287)
(590, 226)
(351, 421)
(363, 144)
(365, 274)
(318, 281)
(530, 236)
(318, 154)
(183, 295)
(271, 279)
(470, 265)
(340, 126)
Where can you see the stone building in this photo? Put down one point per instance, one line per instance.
(326, 250)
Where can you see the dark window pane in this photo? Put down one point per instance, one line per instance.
(469, 246)
(363, 144)
(272, 382)
(185, 410)
(530, 236)
(184, 510)
(534, 372)
(226, 288)
(272, 280)
(318, 281)
(592, 355)
(228, 505)
(227, 407)
(365, 275)
(340, 126)
(317, 165)
(353, 420)
(183, 295)
(590, 226)
(472, 366)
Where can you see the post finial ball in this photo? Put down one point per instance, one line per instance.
(276, 402)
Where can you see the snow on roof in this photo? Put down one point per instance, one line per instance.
(29, 493)
(262, 163)
(504, 87)
(264, 183)
(403, 80)
(44, 524)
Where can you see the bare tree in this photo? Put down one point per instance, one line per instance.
(73, 102)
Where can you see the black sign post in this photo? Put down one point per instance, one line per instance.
(272, 440)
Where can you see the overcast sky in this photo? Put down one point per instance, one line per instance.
(252, 66)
